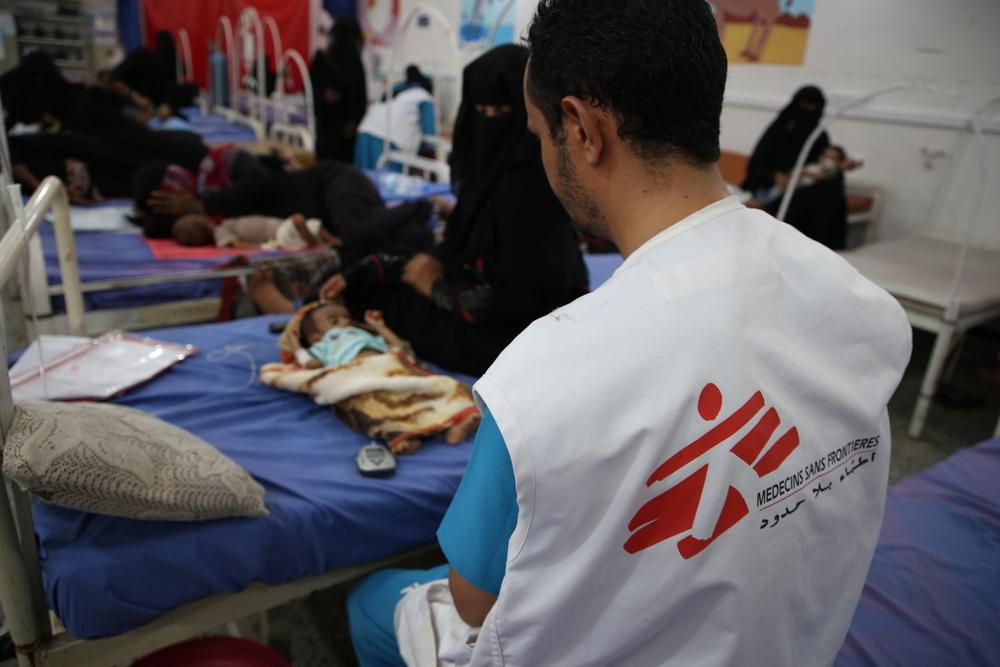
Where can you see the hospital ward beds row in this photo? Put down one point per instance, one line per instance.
(126, 286)
(124, 587)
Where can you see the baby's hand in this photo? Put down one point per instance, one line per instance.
(374, 318)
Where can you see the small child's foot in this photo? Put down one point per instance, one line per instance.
(407, 446)
(463, 429)
(266, 295)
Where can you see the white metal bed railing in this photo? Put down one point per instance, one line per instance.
(225, 43)
(282, 129)
(243, 48)
(947, 322)
(185, 63)
(21, 591)
(249, 104)
(409, 162)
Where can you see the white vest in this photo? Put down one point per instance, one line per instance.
(730, 381)
(406, 127)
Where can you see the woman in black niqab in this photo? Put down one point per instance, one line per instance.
(509, 253)
(340, 90)
(779, 148)
(820, 210)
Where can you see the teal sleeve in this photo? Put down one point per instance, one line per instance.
(428, 125)
(478, 524)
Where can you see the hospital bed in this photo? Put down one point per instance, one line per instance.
(945, 286)
(124, 588)
(286, 119)
(919, 271)
(933, 591)
(124, 286)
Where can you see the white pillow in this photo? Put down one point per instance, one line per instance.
(110, 459)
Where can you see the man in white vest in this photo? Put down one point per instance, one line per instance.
(687, 466)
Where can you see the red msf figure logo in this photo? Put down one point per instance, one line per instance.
(680, 507)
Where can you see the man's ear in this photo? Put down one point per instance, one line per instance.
(583, 124)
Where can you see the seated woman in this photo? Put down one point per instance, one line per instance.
(509, 254)
(820, 210)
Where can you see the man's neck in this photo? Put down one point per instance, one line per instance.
(641, 205)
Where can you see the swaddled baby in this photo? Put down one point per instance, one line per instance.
(367, 373)
(333, 340)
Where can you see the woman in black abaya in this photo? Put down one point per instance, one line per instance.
(509, 254)
(340, 91)
(819, 211)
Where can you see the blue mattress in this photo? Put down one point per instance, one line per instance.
(215, 128)
(933, 592)
(111, 255)
(106, 575)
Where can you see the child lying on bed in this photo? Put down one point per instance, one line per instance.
(253, 232)
(367, 374)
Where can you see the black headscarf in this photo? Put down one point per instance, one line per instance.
(779, 148)
(485, 148)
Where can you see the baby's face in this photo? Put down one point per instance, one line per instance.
(330, 316)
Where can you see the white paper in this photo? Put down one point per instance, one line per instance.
(101, 218)
(94, 369)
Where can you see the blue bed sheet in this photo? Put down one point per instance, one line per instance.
(106, 575)
(933, 592)
(215, 128)
(110, 255)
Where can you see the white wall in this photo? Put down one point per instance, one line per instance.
(860, 45)
(857, 46)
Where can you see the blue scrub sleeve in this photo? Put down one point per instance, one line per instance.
(477, 527)
(428, 124)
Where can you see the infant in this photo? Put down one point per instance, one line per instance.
(330, 339)
(253, 232)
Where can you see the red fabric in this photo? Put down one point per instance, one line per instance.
(200, 18)
(170, 249)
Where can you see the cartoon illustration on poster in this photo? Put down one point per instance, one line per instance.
(773, 32)
(479, 17)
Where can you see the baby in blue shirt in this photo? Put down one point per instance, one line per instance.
(333, 340)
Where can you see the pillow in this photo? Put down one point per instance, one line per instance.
(110, 459)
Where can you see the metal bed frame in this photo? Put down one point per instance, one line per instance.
(21, 591)
(269, 117)
(944, 319)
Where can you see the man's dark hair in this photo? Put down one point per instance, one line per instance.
(657, 65)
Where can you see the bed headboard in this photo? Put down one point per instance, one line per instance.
(21, 592)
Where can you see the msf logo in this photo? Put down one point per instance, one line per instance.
(703, 504)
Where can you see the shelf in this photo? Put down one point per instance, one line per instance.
(73, 64)
(50, 18)
(51, 41)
